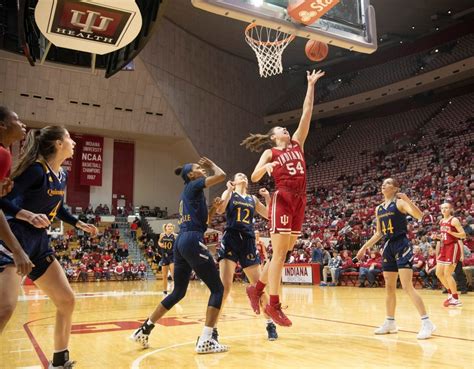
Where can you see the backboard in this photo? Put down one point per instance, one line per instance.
(350, 24)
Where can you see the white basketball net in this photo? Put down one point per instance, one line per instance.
(268, 45)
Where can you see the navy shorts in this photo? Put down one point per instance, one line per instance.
(35, 242)
(189, 249)
(240, 248)
(397, 254)
(167, 258)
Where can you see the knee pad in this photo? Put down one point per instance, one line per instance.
(173, 298)
(217, 294)
(215, 300)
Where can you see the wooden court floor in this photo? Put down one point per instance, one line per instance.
(332, 328)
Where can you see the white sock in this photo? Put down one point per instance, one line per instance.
(269, 321)
(206, 334)
(390, 319)
(149, 322)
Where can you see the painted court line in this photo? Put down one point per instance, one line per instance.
(24, 350)
(137, 361)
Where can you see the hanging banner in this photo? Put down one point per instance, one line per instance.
(91, 152)
(93, 26)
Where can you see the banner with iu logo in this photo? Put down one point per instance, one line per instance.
(93, 26)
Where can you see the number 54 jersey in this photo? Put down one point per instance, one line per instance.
(288, 202)
(290, 173)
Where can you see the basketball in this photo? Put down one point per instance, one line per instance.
(316, 50)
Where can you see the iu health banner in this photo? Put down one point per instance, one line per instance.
(98, 26)
(91, 150)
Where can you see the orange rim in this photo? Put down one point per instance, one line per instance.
(266, 43)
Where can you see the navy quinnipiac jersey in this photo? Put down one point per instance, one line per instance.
(193, 207)
(168, 242)
(240, 212)
(392, 222)
(40, 191)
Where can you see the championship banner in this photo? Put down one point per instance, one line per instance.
(91, 152)
(67, 165)
(297, 273)
(92, 26)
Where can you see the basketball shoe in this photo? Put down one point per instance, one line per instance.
(427, 328)
(446, 302)
(387, 327)
(215, 335)
(210, 346)
(142, 334)
(272, 331)
(454, 303)
(254, 297)
(277, 315)
(67, 365)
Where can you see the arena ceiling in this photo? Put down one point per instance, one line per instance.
(401, 20)
(397, 21)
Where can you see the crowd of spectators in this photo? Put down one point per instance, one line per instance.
(105, 257)
(340, 216)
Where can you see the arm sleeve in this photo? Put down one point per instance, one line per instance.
(66, 216)
(30, 178)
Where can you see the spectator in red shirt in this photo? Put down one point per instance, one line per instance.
(106, 271)
(127, 270)
(370, 269)
(97, 272)
(133, 271)
(347, 263)
(418, 259)
(428, 273)
(106, 258)
(142, 270)
(119, 272)
(133, 229)
(82, 271)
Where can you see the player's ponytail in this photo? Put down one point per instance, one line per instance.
(256, 142)
(4, 113)
(178, 171)
(38, 143)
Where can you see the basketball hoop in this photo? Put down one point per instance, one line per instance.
(268, 44)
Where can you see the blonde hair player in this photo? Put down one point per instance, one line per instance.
(166, 243)
(35, 201)
(286, 163)
(449, 251)
(397, 255)
(238, 243)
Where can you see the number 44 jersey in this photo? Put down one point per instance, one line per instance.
(393, 223)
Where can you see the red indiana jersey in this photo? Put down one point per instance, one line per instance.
(290, 174)
(446, 226)
(5, 162)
